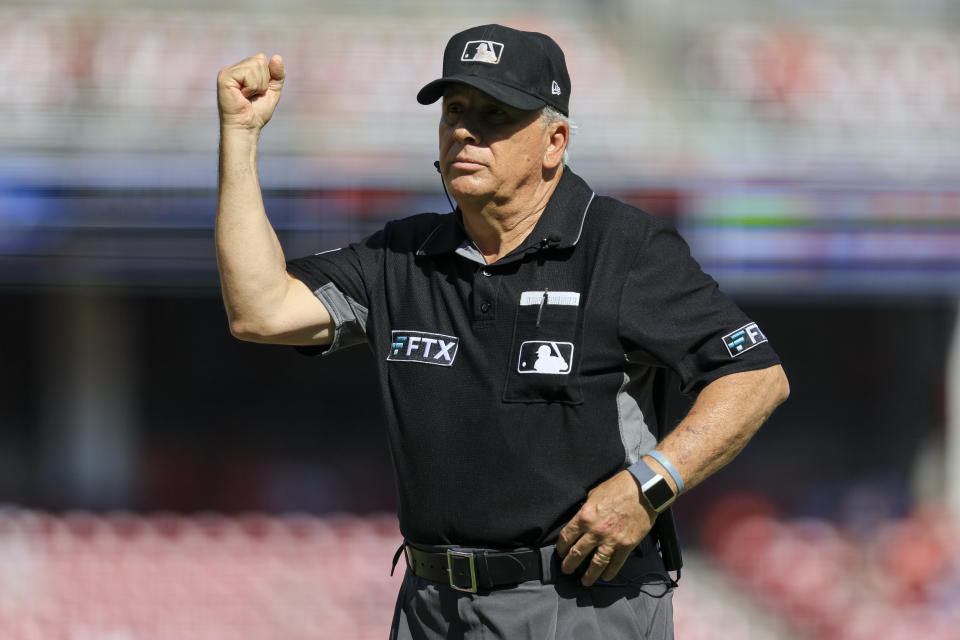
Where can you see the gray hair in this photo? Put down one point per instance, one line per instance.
(549, 115)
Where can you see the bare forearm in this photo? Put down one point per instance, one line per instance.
(726, 414)
(251, 262)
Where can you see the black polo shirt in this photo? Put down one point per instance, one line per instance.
(513, 388)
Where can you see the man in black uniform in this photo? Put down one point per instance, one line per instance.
(517, 341)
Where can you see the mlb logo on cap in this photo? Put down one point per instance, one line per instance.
(482, 51)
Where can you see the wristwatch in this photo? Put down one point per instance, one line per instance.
(653, 487)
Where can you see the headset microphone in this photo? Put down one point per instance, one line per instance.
(552, 238)
(436, 165)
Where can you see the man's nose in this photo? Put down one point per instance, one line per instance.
(465, 131)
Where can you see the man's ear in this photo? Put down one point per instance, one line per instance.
(559, 137)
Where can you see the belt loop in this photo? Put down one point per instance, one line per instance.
(548, 556)
(484, 579)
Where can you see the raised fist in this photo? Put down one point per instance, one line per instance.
(248, 92)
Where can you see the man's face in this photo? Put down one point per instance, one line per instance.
(488, 150)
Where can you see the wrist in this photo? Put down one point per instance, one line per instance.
(647, 507)
(656, 493)
(238, 152)
(242, 134)
(662, 465)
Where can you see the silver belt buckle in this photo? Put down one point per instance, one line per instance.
(467, 560)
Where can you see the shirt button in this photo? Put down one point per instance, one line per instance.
(486, 272)
(485, 307)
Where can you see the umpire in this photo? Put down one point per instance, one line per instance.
(519, 342)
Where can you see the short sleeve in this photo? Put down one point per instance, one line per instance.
(673, 314)
(341, 280)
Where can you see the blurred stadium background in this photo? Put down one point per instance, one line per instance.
(161, 480)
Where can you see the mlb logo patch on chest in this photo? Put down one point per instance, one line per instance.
(545, 356)
(421, 346)
(743, 339)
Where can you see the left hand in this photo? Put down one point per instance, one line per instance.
(612, 522)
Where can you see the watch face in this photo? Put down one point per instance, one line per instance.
(658, 493)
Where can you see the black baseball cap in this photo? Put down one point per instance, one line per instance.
(523, 69)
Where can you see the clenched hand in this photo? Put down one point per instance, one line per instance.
(248, 92)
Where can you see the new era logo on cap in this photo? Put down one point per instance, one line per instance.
(482, 51)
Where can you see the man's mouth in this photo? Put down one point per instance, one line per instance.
(464, 162)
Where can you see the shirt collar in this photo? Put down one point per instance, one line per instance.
(561, 223)
(559, 226)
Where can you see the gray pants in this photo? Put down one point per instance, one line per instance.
(532, 610)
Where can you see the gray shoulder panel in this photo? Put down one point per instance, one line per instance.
(349, 317)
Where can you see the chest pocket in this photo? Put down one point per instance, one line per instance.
(545, 354)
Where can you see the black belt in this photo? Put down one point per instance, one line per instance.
(471, 569)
